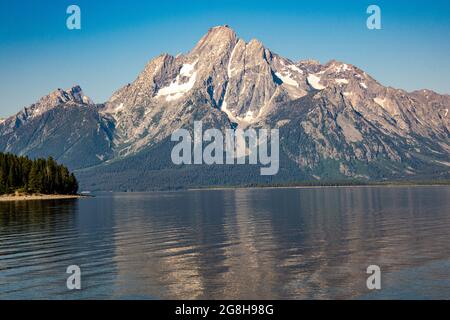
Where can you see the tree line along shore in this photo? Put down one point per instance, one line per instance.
(21, 176)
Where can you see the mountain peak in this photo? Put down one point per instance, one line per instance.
(216, 37)
(220, 33)
(257, 46)
(60, 96)
(74, 94)
(224, 27)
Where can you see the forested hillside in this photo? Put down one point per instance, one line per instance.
(40, 176)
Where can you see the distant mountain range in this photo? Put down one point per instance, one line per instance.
(335, 121)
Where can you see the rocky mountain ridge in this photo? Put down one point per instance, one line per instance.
(335, 121)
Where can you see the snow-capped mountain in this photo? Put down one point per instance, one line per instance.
(335, 120)
(243, 80)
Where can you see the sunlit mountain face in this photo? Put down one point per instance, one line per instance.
(336, 122)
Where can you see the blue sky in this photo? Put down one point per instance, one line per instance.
(39, 54)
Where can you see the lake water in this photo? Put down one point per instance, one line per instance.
(240, 243)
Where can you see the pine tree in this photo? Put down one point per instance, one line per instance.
(35, 176)
(33, 182)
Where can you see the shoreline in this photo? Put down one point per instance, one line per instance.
(317, 187)
(8, 198)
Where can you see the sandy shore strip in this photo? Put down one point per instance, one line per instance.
(38, 197)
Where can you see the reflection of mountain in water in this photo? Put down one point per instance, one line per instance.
(290, 243)
(244, 243)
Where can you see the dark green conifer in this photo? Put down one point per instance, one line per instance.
(35, 176)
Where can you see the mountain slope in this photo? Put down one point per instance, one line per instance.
(65, 125)
(336, 122)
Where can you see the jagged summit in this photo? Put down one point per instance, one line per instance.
(219, 68)
(74, 93)
(58, 97)
(216, 37)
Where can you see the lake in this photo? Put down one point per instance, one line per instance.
(293, 243)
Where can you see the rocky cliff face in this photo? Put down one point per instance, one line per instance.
(65, 124)
(335, 120)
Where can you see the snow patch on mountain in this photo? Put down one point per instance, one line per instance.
(177, 89)
(381, 102)
(341, 81)
(87, 100)
(295, 68)
(119, 107)
(248, 118)
(341, 68)
(287, 79)
(228, 112)
(229, 68)
(314, 80)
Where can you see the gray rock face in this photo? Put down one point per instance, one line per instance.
(65, 124)
(244, 80)
(335, 120)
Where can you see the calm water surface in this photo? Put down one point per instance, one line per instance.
(218, 244)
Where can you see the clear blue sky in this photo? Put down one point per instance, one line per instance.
(38, 54)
